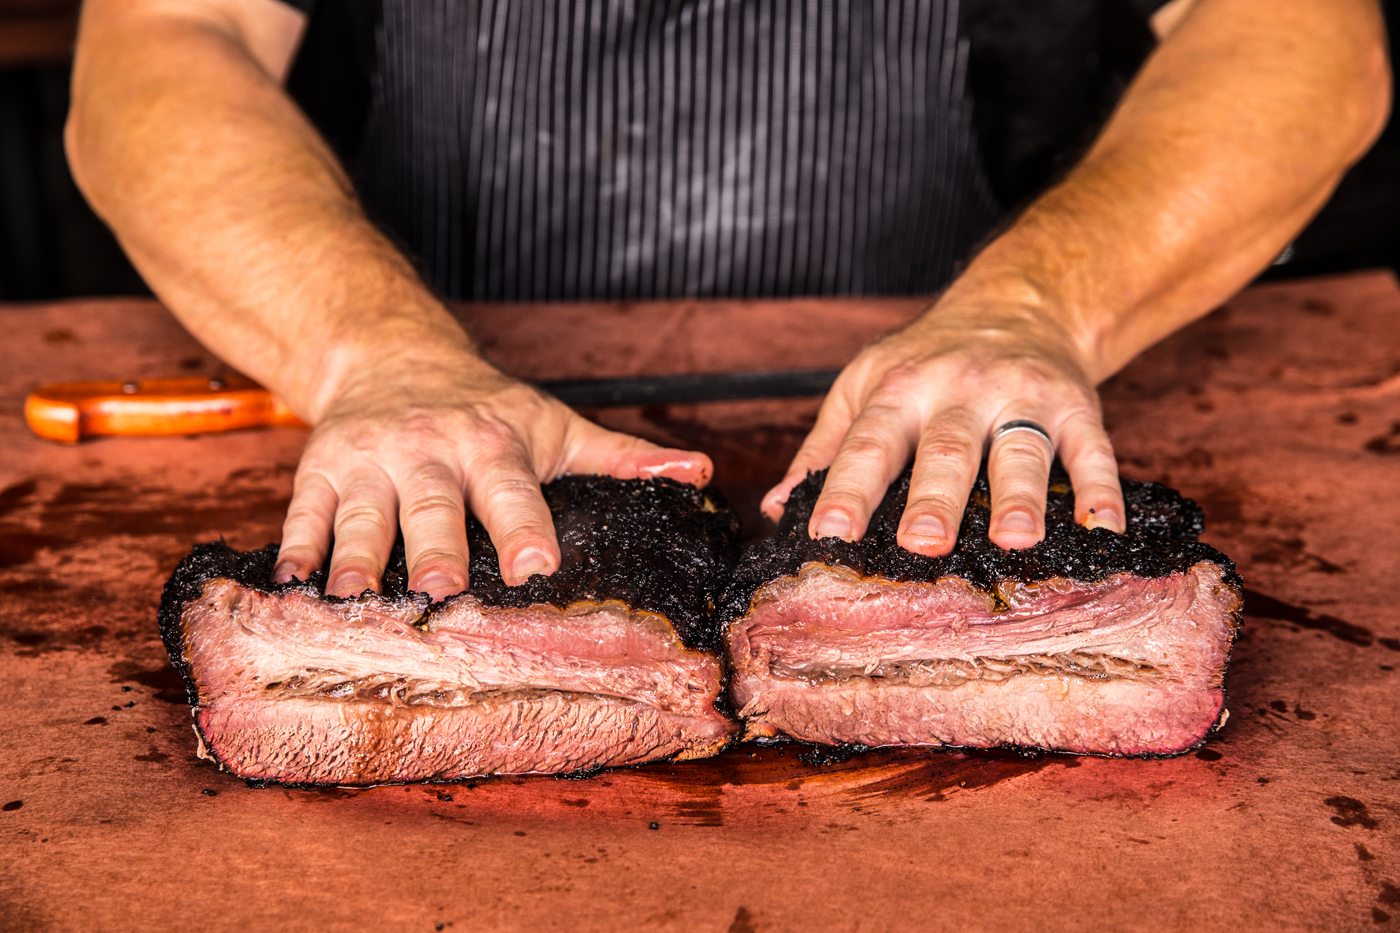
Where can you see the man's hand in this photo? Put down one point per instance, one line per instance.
(1231, 138)
(240, 218)
(934, 392)
(398, 448)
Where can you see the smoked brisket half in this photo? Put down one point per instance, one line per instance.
(1089, 642)
(612, 660)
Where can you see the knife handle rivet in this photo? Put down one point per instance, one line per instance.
(217, 384)
(130, 388)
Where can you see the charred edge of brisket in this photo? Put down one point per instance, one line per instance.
(824, 756)
(1161, 540)
(585, 774)
(819, 756)
(204, 563)
(654, 545)
(470, 781)
(827, 755)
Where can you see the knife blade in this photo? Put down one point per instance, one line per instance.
(691, 387)
(70, 411)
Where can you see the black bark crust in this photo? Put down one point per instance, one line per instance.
(655, 545)
(1163, 526)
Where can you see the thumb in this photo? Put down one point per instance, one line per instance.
(597, 450)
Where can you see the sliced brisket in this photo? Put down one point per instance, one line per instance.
(609, 661)
(1088, 642)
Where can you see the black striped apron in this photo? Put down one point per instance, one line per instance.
(571, 149)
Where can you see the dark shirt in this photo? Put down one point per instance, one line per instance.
(570, 149)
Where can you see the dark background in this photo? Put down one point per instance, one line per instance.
(1045, 73)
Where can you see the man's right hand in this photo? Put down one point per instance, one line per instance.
(239, 217)
(409, 444)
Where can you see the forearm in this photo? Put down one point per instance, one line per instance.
(235, 211)
(1231, 138)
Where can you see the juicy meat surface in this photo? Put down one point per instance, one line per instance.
(1089, 642)
(604, 663)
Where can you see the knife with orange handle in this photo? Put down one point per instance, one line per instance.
(71, 411)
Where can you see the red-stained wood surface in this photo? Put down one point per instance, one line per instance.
(1280, 413)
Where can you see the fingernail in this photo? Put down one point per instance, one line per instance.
(927, 526)
(349, 584)
(284, 572)
(834, 525)
(1016, 521)
(438, 584)
(686, 467)
(1103, 518)
(529, 564)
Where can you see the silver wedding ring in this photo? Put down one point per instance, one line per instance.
(1030, 426)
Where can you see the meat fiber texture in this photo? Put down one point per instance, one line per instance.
(610, 661)
(1089, 642)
